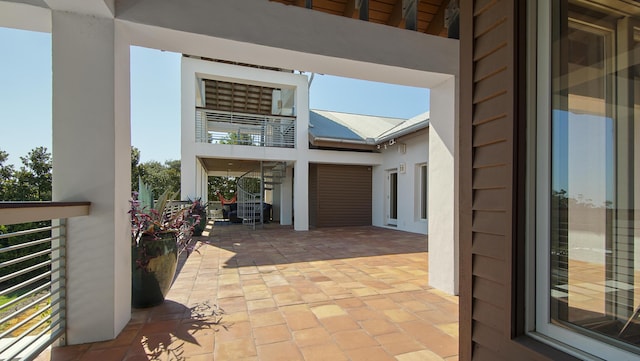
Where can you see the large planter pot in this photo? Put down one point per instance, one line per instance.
(153, 266)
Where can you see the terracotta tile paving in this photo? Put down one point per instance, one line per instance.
(357, 293)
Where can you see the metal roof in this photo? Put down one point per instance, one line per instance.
(370, 129)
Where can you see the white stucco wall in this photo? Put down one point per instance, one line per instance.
(417, 152)
(443, 185)
(91, 162)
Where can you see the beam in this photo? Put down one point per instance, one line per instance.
(349, 8)
(437, 23)
(25, 17)
(396, 14)
(305, 3)
(22, 212)
(357, 55)
(98, 8)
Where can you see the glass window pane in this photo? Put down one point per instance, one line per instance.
(393, 196)
(595, 283)
(423, 192)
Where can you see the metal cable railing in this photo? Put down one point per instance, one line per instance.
(249, 200)
(32, 279)
(31, 270)
(220, 127)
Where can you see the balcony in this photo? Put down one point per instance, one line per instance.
(220, 127)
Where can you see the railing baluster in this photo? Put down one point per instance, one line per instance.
(258, 130)
(36, 291)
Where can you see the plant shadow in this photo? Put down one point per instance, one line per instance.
(172, 329)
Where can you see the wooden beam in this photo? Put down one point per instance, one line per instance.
(22, 212)
(396, 14)
(349, 8)
(305, 3)
(437, 23)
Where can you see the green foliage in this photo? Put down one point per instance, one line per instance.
(224, 185)
(6, 176)
(251, 185)
(145, 197)
(135, 168)
(32, 182)
(21, 252)
(159, 177)
(235, 138)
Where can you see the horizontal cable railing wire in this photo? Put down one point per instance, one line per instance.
(32, 280)
(28, 260)
(219, 127)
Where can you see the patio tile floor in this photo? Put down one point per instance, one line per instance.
(357, 293)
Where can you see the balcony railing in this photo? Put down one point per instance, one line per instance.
(32, 275)
(220, 127)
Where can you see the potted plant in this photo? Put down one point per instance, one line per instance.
(198, 213)
(157, 236)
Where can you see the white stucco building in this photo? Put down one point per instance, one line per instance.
(242, 118)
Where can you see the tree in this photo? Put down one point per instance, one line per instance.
(35, 175)
(6, 176)
(237, 138)
(135, 168)
(224, 185)
(173, 174)
(159, 177)
(32, 182)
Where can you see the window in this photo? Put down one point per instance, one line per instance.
(392, 197)
(588, 160)
(423, 192)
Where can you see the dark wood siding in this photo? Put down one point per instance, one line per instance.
(342, 195)
(492, 163)
(313, 195)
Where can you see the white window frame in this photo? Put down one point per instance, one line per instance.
(538, 189)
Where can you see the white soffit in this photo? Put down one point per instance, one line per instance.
(271, 34)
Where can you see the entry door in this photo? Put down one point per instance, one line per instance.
(392, 197)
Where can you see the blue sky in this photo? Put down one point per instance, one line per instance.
(25, 97)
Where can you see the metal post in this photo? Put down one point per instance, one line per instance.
(262, 194)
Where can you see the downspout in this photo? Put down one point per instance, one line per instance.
(311, 79)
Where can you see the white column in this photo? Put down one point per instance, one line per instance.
(286, 198)
(91, 158)
(188, 162)
(301, 195)
(204, 190)
(275, 202)
(301, 167)
(443, 240)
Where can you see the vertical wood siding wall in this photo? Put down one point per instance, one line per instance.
(313, 195)
(492, 134)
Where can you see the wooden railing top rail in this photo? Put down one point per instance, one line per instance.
(22, 212)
